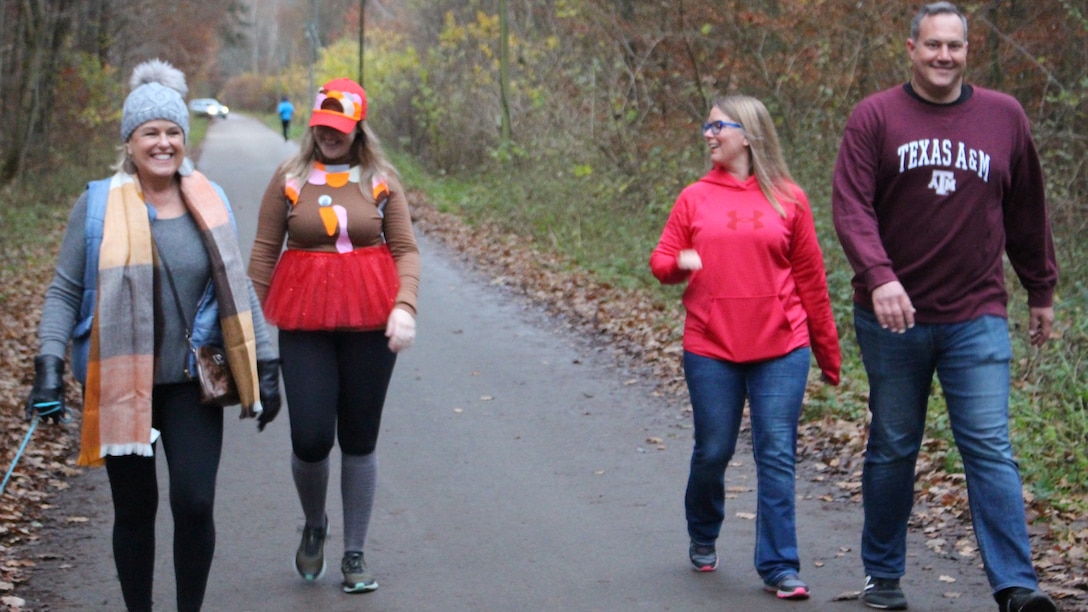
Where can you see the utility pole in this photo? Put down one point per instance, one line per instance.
(311, 33)
(362, 38)
(504, 69)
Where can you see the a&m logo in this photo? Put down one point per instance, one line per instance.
(943, 182)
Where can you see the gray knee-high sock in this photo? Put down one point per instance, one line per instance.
(358, 479)
(311, 482)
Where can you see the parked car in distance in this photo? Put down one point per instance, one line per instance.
(209, 107)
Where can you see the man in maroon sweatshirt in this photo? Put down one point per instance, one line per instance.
(935, 180)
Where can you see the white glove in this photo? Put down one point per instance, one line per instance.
(401, 330)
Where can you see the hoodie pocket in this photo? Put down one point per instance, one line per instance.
(750, 328)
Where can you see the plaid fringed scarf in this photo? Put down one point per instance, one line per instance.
(117, 415)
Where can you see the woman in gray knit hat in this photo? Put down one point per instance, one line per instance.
(137, 299)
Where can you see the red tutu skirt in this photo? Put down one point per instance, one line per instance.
(327, 291)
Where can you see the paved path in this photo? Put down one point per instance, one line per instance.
(515, 473)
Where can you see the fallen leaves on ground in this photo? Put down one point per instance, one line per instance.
(45, 462)
(626, 325)
(641, 334)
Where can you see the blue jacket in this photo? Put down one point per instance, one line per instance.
(205, 328)
(285, 109)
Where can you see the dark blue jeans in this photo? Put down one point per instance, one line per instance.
(774, 390)
(971, 360)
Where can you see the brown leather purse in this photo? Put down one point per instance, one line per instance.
(217, 386)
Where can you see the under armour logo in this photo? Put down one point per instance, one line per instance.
(754, 219)
(943, 182)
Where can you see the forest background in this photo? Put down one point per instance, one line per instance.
(568, 127)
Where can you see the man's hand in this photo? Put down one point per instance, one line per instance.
(1040, 322)
(893, 308)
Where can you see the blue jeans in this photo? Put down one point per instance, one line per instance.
(971, 360)
(774, 389)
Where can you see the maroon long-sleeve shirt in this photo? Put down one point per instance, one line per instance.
(931, 195)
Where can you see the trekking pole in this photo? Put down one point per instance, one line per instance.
(51, 407)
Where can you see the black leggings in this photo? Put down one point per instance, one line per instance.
(335, 384)
(192, 438)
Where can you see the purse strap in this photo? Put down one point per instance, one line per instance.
(177, 302)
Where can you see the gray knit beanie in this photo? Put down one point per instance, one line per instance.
(158, 91)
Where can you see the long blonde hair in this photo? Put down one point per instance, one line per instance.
(366, 151)
(769, 167)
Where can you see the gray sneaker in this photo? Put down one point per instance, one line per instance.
(310, 557)
(789, 586)
(703, 557)
(356, 577)
(883, 594)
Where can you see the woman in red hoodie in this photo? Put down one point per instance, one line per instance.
(757, 310)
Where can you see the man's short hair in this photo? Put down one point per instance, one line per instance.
(936, 8)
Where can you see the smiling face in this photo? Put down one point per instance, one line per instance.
(157, 149)
(729, 147)
(334, 145)
(938, 58)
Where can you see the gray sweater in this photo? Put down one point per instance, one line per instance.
(178, 241)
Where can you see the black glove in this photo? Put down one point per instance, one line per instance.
(47, 396)
(268, 380)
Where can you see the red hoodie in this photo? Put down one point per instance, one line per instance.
(762, 291)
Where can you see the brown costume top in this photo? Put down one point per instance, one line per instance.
(329, 213)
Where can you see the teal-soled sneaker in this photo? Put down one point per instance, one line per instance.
(310, 557)
(356, 577)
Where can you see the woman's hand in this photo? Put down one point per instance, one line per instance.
(401, 330)
(268, 381)
(47, 396)
(688, 259)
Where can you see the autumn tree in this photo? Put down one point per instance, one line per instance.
(65, 64)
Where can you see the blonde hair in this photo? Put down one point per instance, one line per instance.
(366, 151)
(764, 152)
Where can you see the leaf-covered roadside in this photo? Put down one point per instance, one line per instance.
(644, 335)
(627, 324)
(45, 464)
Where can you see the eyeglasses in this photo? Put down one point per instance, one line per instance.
(715, 127)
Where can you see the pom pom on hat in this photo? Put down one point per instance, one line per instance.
(158, 91)
(158, 71)
(340, 104)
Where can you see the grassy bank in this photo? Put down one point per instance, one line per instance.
(597, 225)
(585, 219)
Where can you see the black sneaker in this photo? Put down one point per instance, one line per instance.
(1018, 599)
(703, 556)
(310, 557)
(356, 577)
(883, 594)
